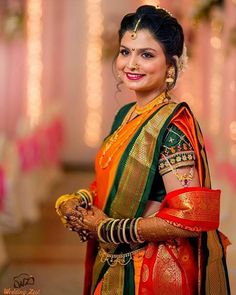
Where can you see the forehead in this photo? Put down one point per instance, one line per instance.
(143, 39)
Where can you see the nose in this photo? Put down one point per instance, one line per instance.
(132, 62)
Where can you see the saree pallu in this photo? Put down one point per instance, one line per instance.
(193, 260)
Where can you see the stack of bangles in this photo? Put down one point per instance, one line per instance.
(118, 231)
(84, 197)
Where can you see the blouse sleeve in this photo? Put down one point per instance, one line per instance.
(176, 151)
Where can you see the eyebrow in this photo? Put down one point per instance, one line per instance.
(139, 49)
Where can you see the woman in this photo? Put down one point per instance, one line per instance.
(152, 225)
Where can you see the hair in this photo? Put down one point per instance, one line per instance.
(163, 27)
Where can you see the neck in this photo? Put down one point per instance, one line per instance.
(145, 98)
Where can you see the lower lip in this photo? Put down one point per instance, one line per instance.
(134, 77)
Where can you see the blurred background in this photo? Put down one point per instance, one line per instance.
(58, 98)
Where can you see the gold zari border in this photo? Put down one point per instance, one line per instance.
(194, 206)
(134, 178)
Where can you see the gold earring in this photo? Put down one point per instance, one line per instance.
(170, 78)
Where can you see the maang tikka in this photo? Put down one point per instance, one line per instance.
(134, 33)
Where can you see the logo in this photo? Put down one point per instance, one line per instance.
(22, 284)
(23, 280)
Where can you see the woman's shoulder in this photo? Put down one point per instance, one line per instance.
(182, 103)
(183, 107)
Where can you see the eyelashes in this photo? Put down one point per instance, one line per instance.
(145, 54)
(124, 52)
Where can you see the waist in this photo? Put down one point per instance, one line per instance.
(122, 257)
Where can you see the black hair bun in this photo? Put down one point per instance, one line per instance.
(146, 9)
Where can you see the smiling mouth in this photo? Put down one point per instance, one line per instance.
(134, 76)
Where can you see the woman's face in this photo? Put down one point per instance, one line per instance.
(141, 63)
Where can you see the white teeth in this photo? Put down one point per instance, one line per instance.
(134, 75)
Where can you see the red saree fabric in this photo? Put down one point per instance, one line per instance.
(193, 208)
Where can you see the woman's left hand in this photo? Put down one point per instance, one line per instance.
(90, 218)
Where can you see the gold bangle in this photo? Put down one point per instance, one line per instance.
(61, 200)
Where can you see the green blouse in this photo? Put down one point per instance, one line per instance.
(176, 152)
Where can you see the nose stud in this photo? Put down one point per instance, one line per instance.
(135, 67)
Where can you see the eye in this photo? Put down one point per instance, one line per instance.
(124, 52)
(147, 55)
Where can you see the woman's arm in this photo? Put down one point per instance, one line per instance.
(177, 167)
(157, 229)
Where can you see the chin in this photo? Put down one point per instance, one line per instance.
(131, 86)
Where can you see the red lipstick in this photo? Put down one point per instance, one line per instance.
(134, 76)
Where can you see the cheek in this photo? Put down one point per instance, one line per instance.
(157, 69)
(119, 64)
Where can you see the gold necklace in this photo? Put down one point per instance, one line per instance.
(149, 106)
(113, 138)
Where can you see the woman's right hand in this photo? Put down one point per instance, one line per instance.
(69, 212)
(69, 207)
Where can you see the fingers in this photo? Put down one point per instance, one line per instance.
(84, 235)
(83, 211)
(77, 226)
(76, 222)
(80, 219)
(68, 207)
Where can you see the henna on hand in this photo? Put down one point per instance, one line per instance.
(91, 219)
